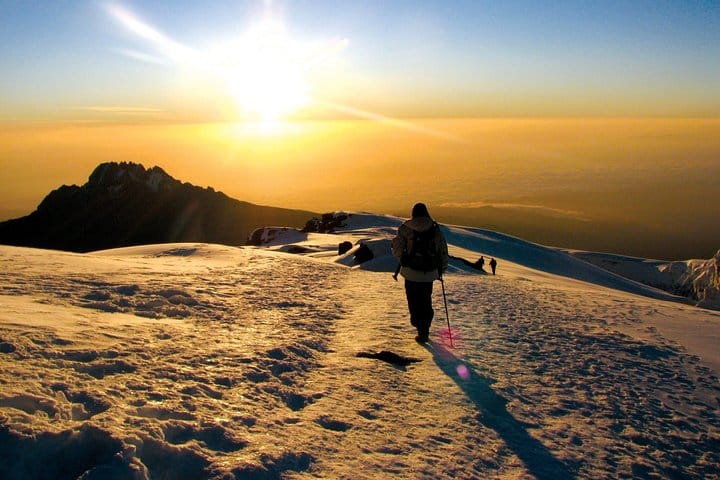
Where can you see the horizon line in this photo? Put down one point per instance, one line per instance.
(189, 121)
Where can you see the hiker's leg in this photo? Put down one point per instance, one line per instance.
(411, 292)
(427, 313)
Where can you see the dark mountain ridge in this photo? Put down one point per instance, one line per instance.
(124, 204)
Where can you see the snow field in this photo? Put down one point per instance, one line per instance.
(163, 385)
(202, 361)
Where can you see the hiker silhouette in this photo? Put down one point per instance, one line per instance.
(422, 251)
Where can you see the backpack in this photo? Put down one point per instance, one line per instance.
(423, 255)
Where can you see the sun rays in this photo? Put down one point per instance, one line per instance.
(265, 71)
(266, 77)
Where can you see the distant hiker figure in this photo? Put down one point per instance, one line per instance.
(480, 263)
(493, 265)
(422, 251)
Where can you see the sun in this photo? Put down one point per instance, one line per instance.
(269, 89)
(264, 71)
(267, 78)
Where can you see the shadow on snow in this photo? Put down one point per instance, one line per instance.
(538, 459)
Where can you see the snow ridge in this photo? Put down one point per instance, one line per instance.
(698, 280)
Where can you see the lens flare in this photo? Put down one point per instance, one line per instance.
(449, 338)
(463, 371)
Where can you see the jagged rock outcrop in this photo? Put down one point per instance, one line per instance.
(696, 279)
(326, 223)
(126, 204)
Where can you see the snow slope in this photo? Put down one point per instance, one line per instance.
(695, 279)
(464, 242)
(206, 361)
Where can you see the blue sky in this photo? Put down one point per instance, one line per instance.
(404, 58)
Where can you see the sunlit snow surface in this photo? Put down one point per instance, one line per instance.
(207, 361)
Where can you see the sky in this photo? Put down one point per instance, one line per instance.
(186, 61)
(595, 111)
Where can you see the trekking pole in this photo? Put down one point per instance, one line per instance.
(447, 315)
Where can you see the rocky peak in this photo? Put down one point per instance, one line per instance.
(113, 175)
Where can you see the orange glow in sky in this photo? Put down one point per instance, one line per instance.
(584, 110)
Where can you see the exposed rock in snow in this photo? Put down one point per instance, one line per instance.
(327, 223)
(697, 279)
